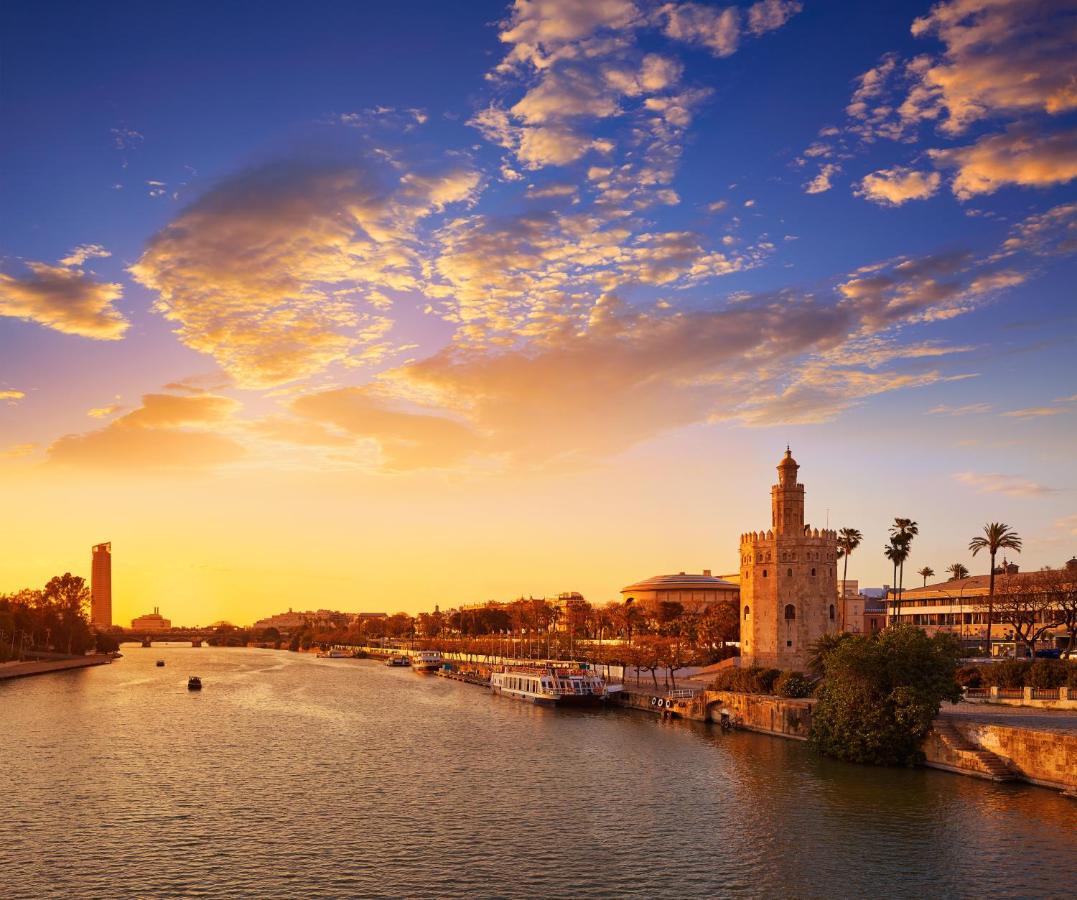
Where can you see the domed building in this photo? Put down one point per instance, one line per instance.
(694, 592)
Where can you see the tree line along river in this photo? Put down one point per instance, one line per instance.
(293, 776)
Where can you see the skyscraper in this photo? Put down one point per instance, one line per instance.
(101, 586)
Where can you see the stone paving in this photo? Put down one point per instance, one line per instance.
(1015, 716)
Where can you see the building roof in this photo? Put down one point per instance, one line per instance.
(682, 581)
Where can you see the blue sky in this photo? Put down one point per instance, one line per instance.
(498, 243)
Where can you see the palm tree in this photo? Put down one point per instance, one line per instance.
(904, 530)
(926, 572)
(957, 571)
(848, 540)
(997, 536)
(896, 553)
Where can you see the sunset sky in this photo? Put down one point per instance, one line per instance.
(376, 306)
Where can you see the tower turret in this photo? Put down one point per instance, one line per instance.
(787, 499)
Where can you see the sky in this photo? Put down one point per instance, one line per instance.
(382, 306)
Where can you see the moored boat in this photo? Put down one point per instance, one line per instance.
(426, 662)
(160, 663)
(549, 685)
(398, 659)
(335, 654)
(194, 683)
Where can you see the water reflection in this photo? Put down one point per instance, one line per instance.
(293, 776)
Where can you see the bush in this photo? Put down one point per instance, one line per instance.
(1010, 673)
(969, 677)
(881, 693)
(1046, 673)
(793, 684)
(764, 681)
(1071, 674)
(749, 680)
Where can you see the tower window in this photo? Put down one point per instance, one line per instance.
(813, 573)
(789, 573)
(746, 611)
(764, 573)
(790, 612)
(831, 612)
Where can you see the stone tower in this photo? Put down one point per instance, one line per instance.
(788, 581)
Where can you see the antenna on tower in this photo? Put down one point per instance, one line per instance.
(828, 517)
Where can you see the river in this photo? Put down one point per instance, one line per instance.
(291, 776)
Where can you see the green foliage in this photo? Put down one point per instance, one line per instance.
(749, 680)
(105, 642)
(1046, 673)
(1009, 673)
(969, 676)
(821, 648)
(880, 694)
(793, 684)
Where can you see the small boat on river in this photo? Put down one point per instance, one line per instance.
(160, 663)
(194, 683)
(549, 685)
(426, 662)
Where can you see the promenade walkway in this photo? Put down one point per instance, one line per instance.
(41, 666)
(1060, 720)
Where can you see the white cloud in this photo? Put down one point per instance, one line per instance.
(997, 483)
(892, 187)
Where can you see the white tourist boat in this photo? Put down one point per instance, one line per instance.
(335, 654)
(398, 660)
(425, 662)
(549, 686)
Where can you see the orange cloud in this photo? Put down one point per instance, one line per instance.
(1018, 157)
(155, 436)
(892, 187)
(248, 271)
(64, 298)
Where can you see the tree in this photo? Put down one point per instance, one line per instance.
(903, 531)
(997, 536)
(1061, 584)
(957, 571)
(1026, 603)
(880, 694)
(848, 540)
(70, 596)
(926, 572)
(896, 552)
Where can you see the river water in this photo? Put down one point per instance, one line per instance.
(290, 776)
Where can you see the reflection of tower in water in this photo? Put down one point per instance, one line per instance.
(101, 586)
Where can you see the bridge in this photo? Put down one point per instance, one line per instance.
(196, 636)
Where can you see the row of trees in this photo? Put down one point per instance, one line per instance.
(52, 619)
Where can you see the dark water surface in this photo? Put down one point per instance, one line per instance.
(290, 776)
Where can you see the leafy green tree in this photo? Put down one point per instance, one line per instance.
(997, 536)
(70, 596)
(880, 694)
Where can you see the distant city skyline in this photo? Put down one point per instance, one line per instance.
(389, 307)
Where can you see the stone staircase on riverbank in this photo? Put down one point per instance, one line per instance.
(960, 753)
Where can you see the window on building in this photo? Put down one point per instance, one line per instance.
(790, 611)
(789, 573)
(746, 611)
(813, 573)
(831, 612)
(764, 573)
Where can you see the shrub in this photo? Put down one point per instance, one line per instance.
(765, 679)
(969, 677)
(1046, 673)
(1071, 674)
(793, 684)
(881, 693)
(1010, 673)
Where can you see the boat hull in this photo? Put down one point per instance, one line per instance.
(565, 700)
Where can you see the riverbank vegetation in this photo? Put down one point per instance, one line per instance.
(879, 694)
(1020, 673)
(53, 619)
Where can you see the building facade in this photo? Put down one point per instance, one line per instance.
(959, 607)
(153, 621)
(696, 593)
(788, 583)
(101, 586)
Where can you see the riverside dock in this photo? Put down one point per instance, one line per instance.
(43, 666)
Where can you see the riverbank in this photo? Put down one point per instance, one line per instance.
(44, 666)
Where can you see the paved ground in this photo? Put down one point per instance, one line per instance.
(1015, 716)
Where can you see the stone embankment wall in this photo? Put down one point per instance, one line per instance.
(1048, 758)
(41, 666)
(758, 712)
